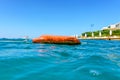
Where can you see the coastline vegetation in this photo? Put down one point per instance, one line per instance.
(103, 33)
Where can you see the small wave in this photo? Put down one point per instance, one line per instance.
(94, 72)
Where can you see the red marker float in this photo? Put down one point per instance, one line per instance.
(52, 39)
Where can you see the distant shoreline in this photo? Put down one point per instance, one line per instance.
(102, 38)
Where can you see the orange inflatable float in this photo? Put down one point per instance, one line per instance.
(52, 39)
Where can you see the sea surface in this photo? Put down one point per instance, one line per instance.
(91, 60)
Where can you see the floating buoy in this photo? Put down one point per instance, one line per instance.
(52, 39)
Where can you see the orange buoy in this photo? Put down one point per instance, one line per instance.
(52, 39)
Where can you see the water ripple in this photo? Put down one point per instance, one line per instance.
(92, 60)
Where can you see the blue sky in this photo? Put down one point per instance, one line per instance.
(19, 18)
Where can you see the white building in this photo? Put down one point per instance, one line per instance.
(118, 25)
(112, 27)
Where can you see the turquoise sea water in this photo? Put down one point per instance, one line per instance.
(92, 60)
